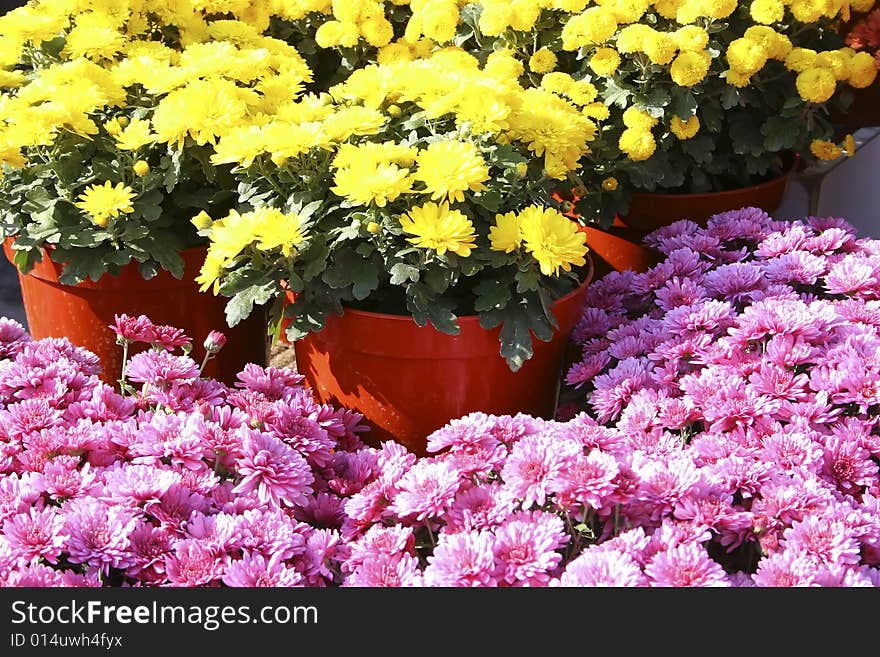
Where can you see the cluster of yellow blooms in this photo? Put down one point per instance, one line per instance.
(221, 81)
(472, 108)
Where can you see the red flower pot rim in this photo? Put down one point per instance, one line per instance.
(467, 319)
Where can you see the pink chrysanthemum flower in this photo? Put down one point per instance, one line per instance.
(61, 479)
(480, 507)
(534, 463)
(161, 368)
(149, 547)
(170, 337)
(469, 433)
(796, 267)
(274, 383)
(36, 533)
(387, 571)
(255, 570)
(679, 292)
(602, 568)
(792, 450)
(848, 465)
(193, 564)
(686, 565)
(426, 490)
(138, 484)
(301, 432)
(526, 547)
(586, 370)
(666, 236)
(786, 569)
(99, 533)
(663, 483)
(465, 559)
(587, 480)
(736, 282)
(277, 472)
(827, 539)
(30, 415)
(133, 329)
(13, 337)
(855, 274)
(615, 388)
(378, 541)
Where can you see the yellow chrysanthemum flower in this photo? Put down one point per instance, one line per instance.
(557, 82)
(776, 45)
(450, 168)
(438, 228)
(634, 38)
(862, 70)
(604, 61)
(592, 27)
(767, 12)
(637, 143)
(800, 59)
(11, 79)
(596, 110)
(102, 202)
(582, 92)
(543, 61)
(684, 129)
(370, 182)
(691, 37)
(816, 85)
(336, 33)
(134, 135)
(638, 119)
(746, 56)
(94, 37)
(505, 235)
(825, 150)
(552, 239)
(274, 229)
(690, 68)
(660, 48)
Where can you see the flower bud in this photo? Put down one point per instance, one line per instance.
(373, 227)
(122, 121)
(522, 169)
(141, 168)
(394, 110)
(214, 342)
(609, 184)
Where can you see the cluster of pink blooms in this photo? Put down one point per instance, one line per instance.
(726, 435)
(181, 481)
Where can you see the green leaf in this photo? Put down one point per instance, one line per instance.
(516, 340)
(491, 294)
(684, 103)
(615, 94)
(242, 304)
(402, 272)
(780, 133)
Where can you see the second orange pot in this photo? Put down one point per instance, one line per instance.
(408, 380)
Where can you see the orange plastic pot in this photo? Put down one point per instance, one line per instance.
(83, 313)
(649, 211)
(619, 248)
(408, 380)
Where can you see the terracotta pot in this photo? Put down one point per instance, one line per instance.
(619, 248)
(649, 211)
(408, 380)
(83, 313)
